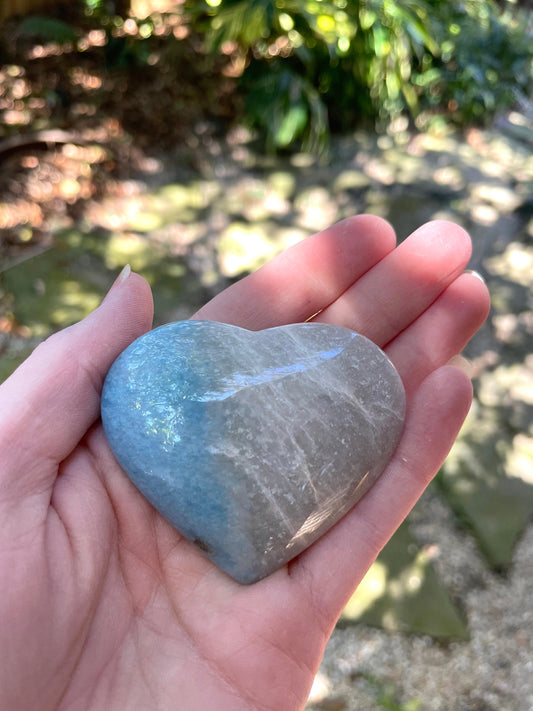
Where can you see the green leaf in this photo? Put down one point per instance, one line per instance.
(291, 126)
(46, 29)
(367, 18)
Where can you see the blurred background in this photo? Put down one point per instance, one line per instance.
(195, 140)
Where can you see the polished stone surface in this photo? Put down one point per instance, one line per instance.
(252, 444)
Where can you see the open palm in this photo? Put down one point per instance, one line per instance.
(102, 604)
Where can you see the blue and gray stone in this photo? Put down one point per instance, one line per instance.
(252, 444)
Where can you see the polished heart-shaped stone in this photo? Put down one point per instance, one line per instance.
(252, 444)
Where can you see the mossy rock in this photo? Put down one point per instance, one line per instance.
(402, 593)
(64, 284)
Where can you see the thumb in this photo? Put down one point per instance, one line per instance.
(51, 400)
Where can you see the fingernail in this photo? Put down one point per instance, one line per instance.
(462, 363)
(474, 273)
(124, 274)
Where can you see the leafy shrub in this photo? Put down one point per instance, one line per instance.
(316, 65)
(46, 29)
(484, 64)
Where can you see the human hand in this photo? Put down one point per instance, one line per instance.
(103, 605)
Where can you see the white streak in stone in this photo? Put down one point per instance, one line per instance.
(316, 519)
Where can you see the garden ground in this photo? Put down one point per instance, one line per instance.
(451, 626)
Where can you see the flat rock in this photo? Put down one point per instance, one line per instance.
(252, 444)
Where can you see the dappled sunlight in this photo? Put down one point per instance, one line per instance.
(487, 475)
(146, 170)
(371, 587)
(190, 232)
(380, 171)
(320, 690)
(515, 264)
(121, 145)
(508, 385)
(519, 460)
(244, 248)
(351, 180)
(73, 304)
(56, 111)
(449, 176)
(484, 215)
(502, 197)
(401, 592)
(145, 8)
(315, 210)
(513, 329)
(58, 299)
(128, 249)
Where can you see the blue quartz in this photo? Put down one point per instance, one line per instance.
(252, 444)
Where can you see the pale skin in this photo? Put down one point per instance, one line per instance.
(103, 606)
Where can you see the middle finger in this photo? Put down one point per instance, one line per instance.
(393, 293)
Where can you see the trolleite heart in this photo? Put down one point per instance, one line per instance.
(252, 444)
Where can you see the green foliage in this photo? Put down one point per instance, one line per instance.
(386, 695)
(289, 105)
(335, 64)
(46, 29)
(94, 6)
(105, 10)
(126, 53)
(485, 63)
